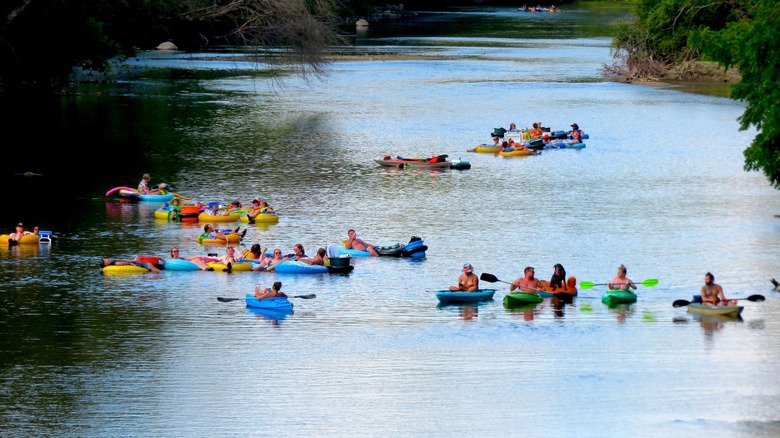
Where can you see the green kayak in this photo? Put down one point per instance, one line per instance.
(611, 297)
(518, 298)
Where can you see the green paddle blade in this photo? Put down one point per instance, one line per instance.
(650, 282)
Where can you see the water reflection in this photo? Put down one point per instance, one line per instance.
(274, 317)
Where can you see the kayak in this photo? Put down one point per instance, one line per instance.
(517, 152)
(278, 304)
(486, 149)
(705, 309)
(518, 298)
(611, 297)
(447, 296)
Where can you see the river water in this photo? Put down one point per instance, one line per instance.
(659, 188)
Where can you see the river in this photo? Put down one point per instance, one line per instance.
(660, 188)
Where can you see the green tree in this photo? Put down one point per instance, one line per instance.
(42, 41)
(752, 44)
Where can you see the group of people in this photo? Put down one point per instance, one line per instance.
(711, 293)
(144, 189)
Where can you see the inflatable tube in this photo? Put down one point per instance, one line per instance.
(392, 250)
(262, 218)
(29, 239)
(124, 269)
(516, 152)
(205, 217)
(487, 149)
(354, 252)
(153, 259)
(156, 198)
(119, 188)
(237, 267)
(296, 267)
(180, 265)
(229, 238)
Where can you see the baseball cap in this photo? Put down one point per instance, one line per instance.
(20, 224)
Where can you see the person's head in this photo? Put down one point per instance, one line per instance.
(535, 125)
(277, 286)
(298, 248)
(235, 204)
(351, 233)
(256, 201)
(230, 250)
(175, 201)
(174, 252)
(146, 177)
(709, 279)
(208, 228)
(575, 126)
(467, 268)
(20, 227)
(321, 252)
(255, 249)
(529, 271)
(162, 186)
(264, 204)
(277, 253)
(622, 270)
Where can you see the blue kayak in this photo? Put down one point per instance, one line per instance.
(447, 296)
(279, 304)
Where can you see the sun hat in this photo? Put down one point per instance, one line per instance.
(468, 267)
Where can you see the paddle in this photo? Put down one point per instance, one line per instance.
(227, 300)
(563, 296)
(755, 298)
(650, 282)
(186, 198)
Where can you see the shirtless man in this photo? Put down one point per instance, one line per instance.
(353, 242)
(528, 283)
(13, 238)
(712, 293)
(468, 280)
(621, 282)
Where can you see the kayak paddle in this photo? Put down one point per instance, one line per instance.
(650, 282)
(755, 298)
(563, 296)
(227, 300)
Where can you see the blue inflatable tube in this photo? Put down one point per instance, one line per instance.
(180, 265)
(296, 267)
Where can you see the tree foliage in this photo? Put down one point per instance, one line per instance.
(752, 44)
(42, 41)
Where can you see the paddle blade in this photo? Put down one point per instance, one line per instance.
(650, 282)
(680, 303)
(586, 284)
(306, 297)
(490, 278)
(227, 300)
(756, 298)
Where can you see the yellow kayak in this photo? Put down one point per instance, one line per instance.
(486, 149)
(517, 152)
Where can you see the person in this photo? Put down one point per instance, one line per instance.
(13, 238)
(274, 291)
(231, 256)
(528, 283)
(269, 263)
(174, 209)
(298, 253)
(712, 294)
(318, 259)
(254, 253)
(512, 127)
(216, 210)
(198, 261)
(259, 207)
(353, 242)
(536, 130)
(467, 281)
(235, 205)
(575, 134)
(143, 186)
(133, 262)
(558, 279)
(210, 233)
(621, 282)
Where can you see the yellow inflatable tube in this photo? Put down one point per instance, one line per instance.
(262, 218)
(124, 269)
(30, 239)
(205, 217)
(229, 238)
(239, 266)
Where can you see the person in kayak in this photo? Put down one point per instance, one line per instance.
(621, 282)
(712, 294)
(273, 291)
(468, 280)
(353, 242)
(528, 283)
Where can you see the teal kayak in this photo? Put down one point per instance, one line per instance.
(611, 297)
(447, 296)
(518, 298)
